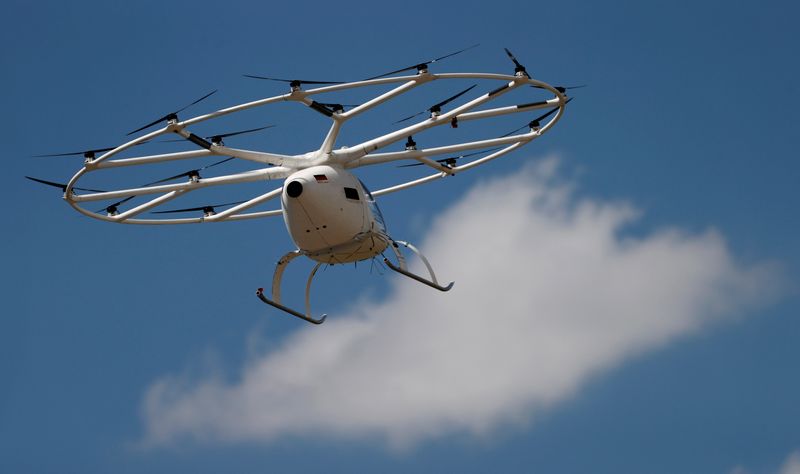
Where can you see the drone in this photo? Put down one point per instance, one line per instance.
(331, 216)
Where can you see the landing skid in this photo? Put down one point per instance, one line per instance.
(304, 317)
(400, 268)
(276, 290)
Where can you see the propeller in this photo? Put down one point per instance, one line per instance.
(421, 66)
(85, 153)
(451, 161)
(62, 186)
(217, 139)
(90, 154)
(293, 83)
(563, 89)
(436, 108)
(191, 173)
(206, 209)
(172, 115)
(535, 122)
(113, 208)
(518, 68)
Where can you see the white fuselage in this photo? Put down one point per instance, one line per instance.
(331, 216)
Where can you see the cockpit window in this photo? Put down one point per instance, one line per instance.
(351, 193)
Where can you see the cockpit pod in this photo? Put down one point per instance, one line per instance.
(331, 216)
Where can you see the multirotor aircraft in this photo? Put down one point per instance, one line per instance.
(329, 213)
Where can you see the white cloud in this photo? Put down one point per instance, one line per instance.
(792, 464)
(548, 293)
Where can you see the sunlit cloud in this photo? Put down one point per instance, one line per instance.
(550, 291)
(792, 463)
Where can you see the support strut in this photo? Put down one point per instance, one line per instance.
(276, 290)
(403, 270)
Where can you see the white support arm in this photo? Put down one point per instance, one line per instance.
(148, 205)
(433, 177)
(378, 158)
(512, 109)
(143, 160)
(356, 152)
(228, 213)
(259, 156)
(246, 177)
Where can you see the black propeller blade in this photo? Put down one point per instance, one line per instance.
(113, 208)
(535, 122)
(190, 173)
(451, 161)
(172, 115)
(420, 66)
(217, 139)
(436, 108)
(205, 209)
(293, 83)
(62, 186)
(86, 153)
(563, 89)
(518, 68)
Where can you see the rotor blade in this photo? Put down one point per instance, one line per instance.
(76, 153)
(86, 153)
(518, 67)
(217, 163)
(541, 117)
(196, 101)
(453, 158)
(113, 207)
(154, 122)
(415, 66)
(410, 117)
(189, 173)
(200, 208)
(563, 89)
(167, 116)
(450, 99)
(221, 136)
(62, 186)
(436, 107)
(514, 59)
(233, 134)
(300, 81)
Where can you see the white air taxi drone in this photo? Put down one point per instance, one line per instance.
(330, 214)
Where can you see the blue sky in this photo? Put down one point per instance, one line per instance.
(688, 118)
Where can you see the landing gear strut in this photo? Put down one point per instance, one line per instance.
(400, 268)
(276, 290)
